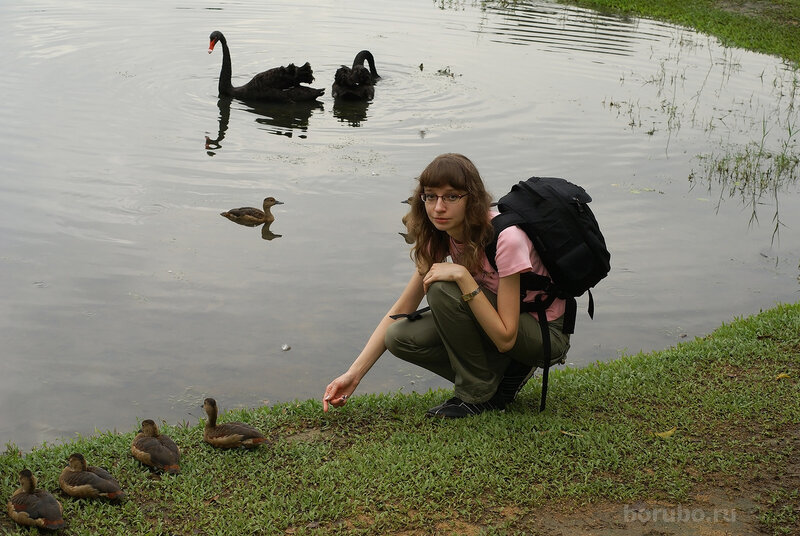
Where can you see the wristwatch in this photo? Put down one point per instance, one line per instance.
(468, 297)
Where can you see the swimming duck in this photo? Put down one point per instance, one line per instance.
(78, 479)
(252, 216)
(356, 82)
(33, 507)
(280, 84)
(155, 449)
(230, 434)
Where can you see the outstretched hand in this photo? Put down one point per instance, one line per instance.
(338, 391)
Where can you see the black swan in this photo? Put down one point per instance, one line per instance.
(281, 84)
(357, 82)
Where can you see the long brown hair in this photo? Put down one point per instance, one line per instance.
(458, 172)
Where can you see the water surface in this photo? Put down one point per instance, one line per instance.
(127, 296)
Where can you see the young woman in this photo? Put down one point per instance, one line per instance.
(474, 334)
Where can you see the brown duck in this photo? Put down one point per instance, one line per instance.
(229, 434)
(356, 82)
(252, 216)
(83, 481)
(33, 507)
(281, 84)
(156, 449)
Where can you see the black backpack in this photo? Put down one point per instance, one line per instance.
(555, 215)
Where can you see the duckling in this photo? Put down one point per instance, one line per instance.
(251, 216)
(33, 507)
(230, 434)
(155, 449)
(78, 479)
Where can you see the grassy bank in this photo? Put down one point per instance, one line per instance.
(721, 412)
(771, 27)
(728, 405)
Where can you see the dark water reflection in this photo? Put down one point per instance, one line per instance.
(352, 112)
(281, 119)
(127, 296)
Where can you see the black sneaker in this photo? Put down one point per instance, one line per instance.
(516, 376)
(455, 408)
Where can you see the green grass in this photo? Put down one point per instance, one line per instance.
(379, 466)
(770, 27)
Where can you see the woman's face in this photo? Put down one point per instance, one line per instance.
(446, 208)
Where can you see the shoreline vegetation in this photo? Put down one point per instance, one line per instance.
(701, 436)
(710, 426)
(766, 26)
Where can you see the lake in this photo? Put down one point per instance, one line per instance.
(127, 296)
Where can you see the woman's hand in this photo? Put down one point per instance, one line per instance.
(339, 390)
(444, 271)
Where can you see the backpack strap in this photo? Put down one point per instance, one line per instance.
(533, 281)
(540, 305)
(416, 315)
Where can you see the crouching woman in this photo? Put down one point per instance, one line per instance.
(474, 334)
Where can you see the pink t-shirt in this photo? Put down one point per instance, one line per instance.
(515, 254)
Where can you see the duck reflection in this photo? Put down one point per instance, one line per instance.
(266, 234)
(352, 112)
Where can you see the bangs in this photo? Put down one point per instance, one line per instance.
(444, 172)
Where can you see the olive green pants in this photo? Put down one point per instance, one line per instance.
(449, 341)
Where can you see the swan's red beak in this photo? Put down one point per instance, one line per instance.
(211, 46)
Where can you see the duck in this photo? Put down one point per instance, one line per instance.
(356, 82)
(155, 449)
(252, 216)
(280, 84)
(83, 481)
(32, 507)
(230, 434)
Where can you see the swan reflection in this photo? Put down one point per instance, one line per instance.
(351, 112)
(284, 119)
(280, 118)
(224, 106)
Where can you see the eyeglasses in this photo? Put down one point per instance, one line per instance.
(447, 199)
